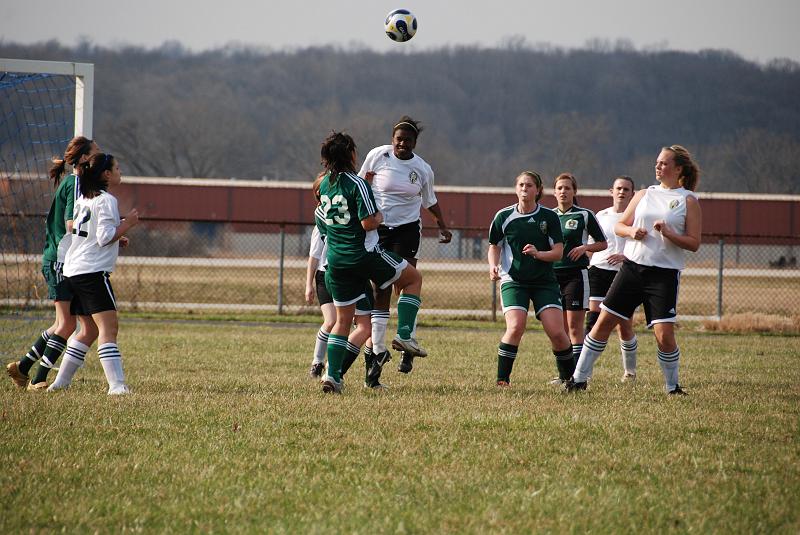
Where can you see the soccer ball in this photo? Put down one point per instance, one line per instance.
(400, 25)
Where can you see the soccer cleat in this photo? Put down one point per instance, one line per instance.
(556, 381)
(628, 377)
(119, 390)
(678, 391)
(410, 346)
(330, 386)
(406, 363)
(19, 378)
(316, 370)
(572, 386)
(503, 384)
(375, 385)
(38, 387)
(378, 361)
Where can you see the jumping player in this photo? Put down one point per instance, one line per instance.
(603, 267)
(402, 183)
(524, 242)
(96, 236)
(661, 223)
(348, 217)
(51, 343)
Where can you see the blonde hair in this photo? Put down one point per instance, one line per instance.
(690, 171)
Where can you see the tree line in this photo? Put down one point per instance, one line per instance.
(488, 113)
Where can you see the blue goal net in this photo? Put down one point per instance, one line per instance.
(37, 115)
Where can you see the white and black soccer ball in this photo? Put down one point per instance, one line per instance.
(400, 25)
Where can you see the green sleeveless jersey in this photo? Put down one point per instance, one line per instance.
(60, 212)
(512, 230)
(344, 202)
(577, 224)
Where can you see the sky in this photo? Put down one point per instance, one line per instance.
(758, 30)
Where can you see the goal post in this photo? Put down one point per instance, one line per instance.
(84, 85)
(43, 105)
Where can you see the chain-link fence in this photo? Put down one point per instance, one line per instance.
(244, 267)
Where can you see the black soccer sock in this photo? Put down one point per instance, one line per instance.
(591, 319)
(565, 363)
(35, 353)
(506, 355)
(55, 347)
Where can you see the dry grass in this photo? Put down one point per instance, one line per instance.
(755, 323)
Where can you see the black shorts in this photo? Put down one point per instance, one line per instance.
(402, 240)
(323, 295)
(653, 287)
(574, 284)
(92, 293)
(599, 282)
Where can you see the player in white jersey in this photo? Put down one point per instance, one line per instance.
(661, 223)
(51, 343)
(402, 183)
(97, 233)
(604, 266)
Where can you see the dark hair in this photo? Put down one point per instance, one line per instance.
(77, 147)
(337, 154)
(536, 179)
(690, 171)
(92, 181)
(624, 177)
(315, 186)
(571, 178)
(409, 124)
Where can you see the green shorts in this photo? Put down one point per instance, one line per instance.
(346, 285)
(518, 295)
(58, 289)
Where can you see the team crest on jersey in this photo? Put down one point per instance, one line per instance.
(674, 204)
(543, 227)
(413, 177)
(571, 224)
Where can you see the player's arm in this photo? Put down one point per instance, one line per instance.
(494, 262)
(107, 230)
(553, 255)
(367, 209)
(314, 256)
(436, 212)
(624, 228)
(372, 222)
(690, 239)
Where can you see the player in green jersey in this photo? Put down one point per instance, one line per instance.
(577, 224)
(524, 241)
(51, 343)
(348, 217)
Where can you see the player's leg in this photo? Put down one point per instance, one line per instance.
(55, 345)
(328, 319)
(629, 347)
(77, 347)
(515, 300)
(347, 288)
(576, 299)
(547, 305)
(359, 335)
(660, 308)
(19, 370)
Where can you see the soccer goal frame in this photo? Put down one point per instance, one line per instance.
(84, 85)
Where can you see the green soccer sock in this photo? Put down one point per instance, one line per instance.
(337, 349)
(55, 347)
(350, 357)
(506, 354)
(407, 308)
(35, 353)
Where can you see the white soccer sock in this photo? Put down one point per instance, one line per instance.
(111, 359)
(380, 320)
(70, 363)
(628, 349)
(321, 347)
(592, 349)
(669, 367)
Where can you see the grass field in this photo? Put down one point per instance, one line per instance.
(224, 433)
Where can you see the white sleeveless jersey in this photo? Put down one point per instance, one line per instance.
(655, 249)
(94, 224)
(318, 249)
(616, 244)
(401, 187)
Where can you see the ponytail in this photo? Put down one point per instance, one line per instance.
(77, 148)
(56, 170)
(337, 154)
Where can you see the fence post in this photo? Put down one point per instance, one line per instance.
(280, 270)
(494, 300)
(719, 277)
